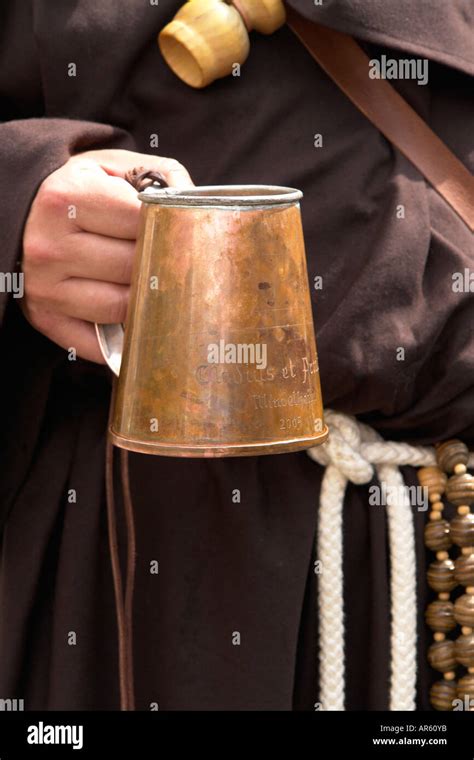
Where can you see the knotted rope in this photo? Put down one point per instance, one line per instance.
(355, 452)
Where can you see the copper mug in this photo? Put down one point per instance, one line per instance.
(218, 355)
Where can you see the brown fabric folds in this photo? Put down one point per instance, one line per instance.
(347, 64)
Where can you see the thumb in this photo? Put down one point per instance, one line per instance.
(118, 163)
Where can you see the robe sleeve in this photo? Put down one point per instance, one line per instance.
(31, 146)
(30, 149)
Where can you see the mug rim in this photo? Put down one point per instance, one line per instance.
(221, 195)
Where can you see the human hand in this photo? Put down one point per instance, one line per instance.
(79, 243)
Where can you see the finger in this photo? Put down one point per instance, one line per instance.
(90, 300)
(70, 334)
(96, 257)
(103, 204)
(74, 333)
(119, 162)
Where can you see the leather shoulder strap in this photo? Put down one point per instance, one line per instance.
(348, 66)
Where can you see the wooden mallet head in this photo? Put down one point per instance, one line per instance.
(207, 38)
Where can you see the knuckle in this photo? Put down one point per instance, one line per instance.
(41, 319)
(54, 195)
(126, 265)
(172, 165)
(38, 251)
(34, 296)
(117, 308)
(125, 272)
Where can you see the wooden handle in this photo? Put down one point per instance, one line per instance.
(208, 38)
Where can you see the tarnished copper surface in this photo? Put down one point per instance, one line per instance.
(211, 282)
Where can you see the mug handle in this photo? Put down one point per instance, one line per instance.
(110, 339)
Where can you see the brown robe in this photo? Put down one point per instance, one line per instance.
(387, 283)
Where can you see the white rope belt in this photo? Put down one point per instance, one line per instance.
(355, 452)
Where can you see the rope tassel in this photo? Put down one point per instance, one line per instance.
(402, 591)
(331, 613)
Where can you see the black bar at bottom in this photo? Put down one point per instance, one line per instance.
(146, 734)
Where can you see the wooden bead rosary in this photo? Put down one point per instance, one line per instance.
(448, 573)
